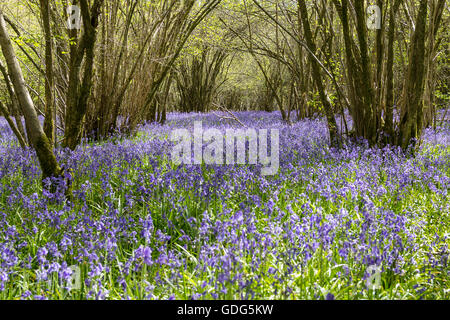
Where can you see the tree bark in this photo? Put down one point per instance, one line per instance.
(12, 125)
(79, 91)
(389, 103)
(437, 8)
(412, 106)
(50, 111)
(15, 108)
(332, 125)
(37, 136)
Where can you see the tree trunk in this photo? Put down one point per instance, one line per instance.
(15, 108)
(363, 102)
(437, 8)
(16, 131)
(79, 91)
(412, 106)
(389, 103)
(37, 136)
(332, 125)
(50, 111)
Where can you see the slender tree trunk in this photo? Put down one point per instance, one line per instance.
(389, 103)
(366, 91)
(50, 110)
(12, 125)
(412, 108)
(37, 136)
(378, 103)
(15, 108)
(79, 91)
(332, 125)
(356, 105)
(437, 8)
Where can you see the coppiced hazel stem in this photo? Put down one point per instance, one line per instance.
(37, 136)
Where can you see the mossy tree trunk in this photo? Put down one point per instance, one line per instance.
(37, 135)
(412, 106)
(363, 95)
(80, 89)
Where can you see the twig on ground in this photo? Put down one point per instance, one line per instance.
(232, 115)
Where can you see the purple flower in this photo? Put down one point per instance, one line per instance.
(329, 296)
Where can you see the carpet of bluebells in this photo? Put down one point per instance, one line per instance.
(139, 227)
